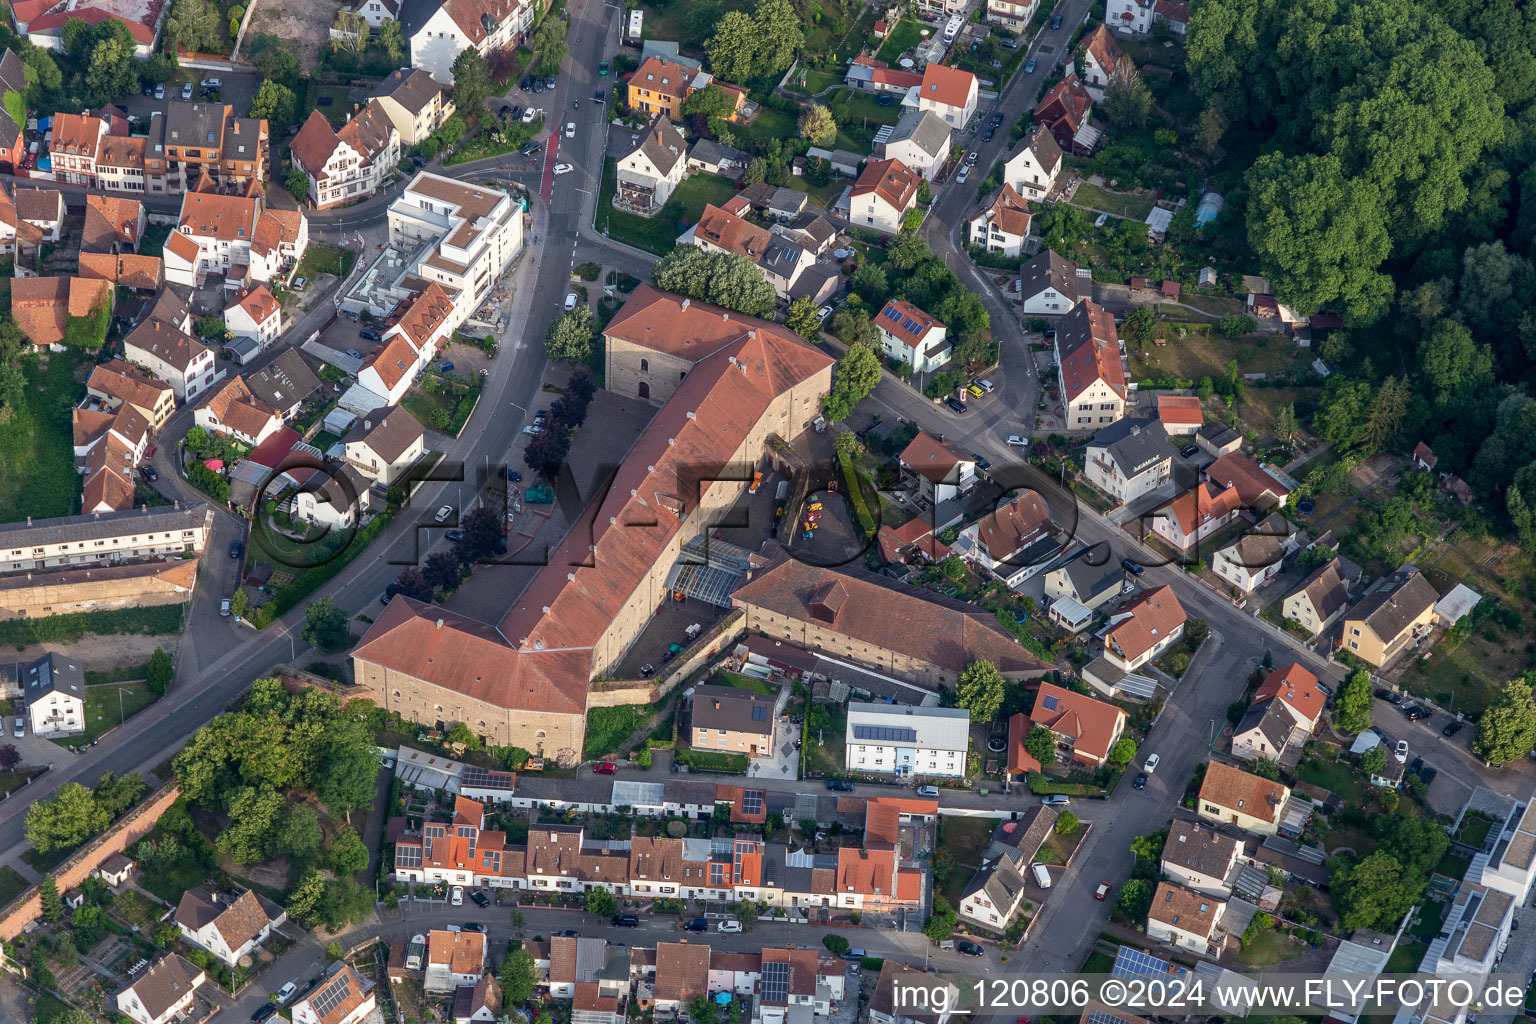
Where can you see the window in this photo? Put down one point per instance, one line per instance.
(645, 364)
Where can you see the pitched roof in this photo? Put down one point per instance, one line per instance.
(1019, 759)
(1089, 721)
(1047, 152)
(141, 273)
(866, 872)
(1090, 350)
(109, 221)
(1181, 414)
(1392, 607)
(925, 129)
(1423, 453)
(1007, 210)
(1067, 101)
(233, 405)
(412, 88)
(1013, 525)
(166, 983)
(1134, 445)
(76, 134)
(182, 246)
(906, 323)
(662, 145)
(1184, 909)
(223, 217)
(121, 151)
(950, 86)
(732, 233)
(1094, 570)
(1199, 848)
(165, 341)
(476, 19)
(689, 329)
(460, 951)
(389, 431)
(258, 304)
(284, 381)
(1237, 790)
(39, 204)
(1255, 487)
(1260, 547)
(1048, 270)
(1271, 720)
(892, 180)
(368, 131)
(934, 459)
(237, 920)
(338, 993)
(1326, 588)
(1106, 52)
(682, 970)
(1153, 615)
(662, 76)
(733, 710)
(275, 228)
(1199, 505)
(910, 979)
(42, 306)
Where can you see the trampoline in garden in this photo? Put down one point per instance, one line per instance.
(1305, 507)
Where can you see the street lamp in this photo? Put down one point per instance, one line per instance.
(121, 718)
(293, 651)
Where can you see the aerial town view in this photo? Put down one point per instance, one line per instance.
(767, 511)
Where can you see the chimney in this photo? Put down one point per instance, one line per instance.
(686, 303)
(439, 623)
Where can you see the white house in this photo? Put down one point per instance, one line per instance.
(1015, 540)
(233, 411)
(158, 994)
(881, 196)
(920, 139)
(893, 739)
(647, 174)
(1102, 57)
(349, 162)
(229, 928)
(257, 315)
(341, 996)
(1196, 514)
(1184, 917)
(1257, 556)
(948, 92)
(424, 322)
(1507, 869)
(453, 958)
(439, 30)
(325, 500)
(1198, 857)
(1136, 17)
(54, 690)
(1142, 628)
(1129, 459)
(1012, 15)
(909, 335)
(184, 363)
(937, 470)
(385, 444)
(1033, 169)
(1089, 361)
(234, 236)
(1050, 285)
(1002, 224)
(894, 1000)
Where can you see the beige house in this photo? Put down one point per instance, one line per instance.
(414, 103)
(1089, 580)
(385, 444)
(1198, 857)
(454, 958)
(341, 996)
(1391, 618)
(166, 989)
(1322, 596)
(139, 585)
(1184, 918)
(1231, 796)
(881, 196)
(1089, 362)
(110, 538)
(183, 362)
(117, 383)
(1012, 15)
(1143, 628)
(732, 720)
(1257, 556)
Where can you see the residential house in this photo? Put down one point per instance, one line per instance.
(1508, 868)
(1089, 358)
(413, 101)
(648, 173)
(1389, 776)
(410, 343)
(1390, 618)
(1231, 796)
(376, 12)
(1322, 596)
(121, 161)
(341, 996)
(44, 306)
(1423, 457)
(183, 362)
(1199, 858)
(574, 961)
(1184, 917)
(43, 209)
(231, 410)
(710, 157)
(1050, 285)
(141, 274)
(440, 30)
(1033, 170)
(256, 315)
(116, 869)
(116, 383)
(108, 447)
(350, 162)
(1129, 459)
(1284, 713)
(1013, 15)
(159, 994)
(454, 958)
(870, 75)
(196, 146)
(112, 225)
(995, 893)
(1101, 59)
(920, 139)
(284, 383)
(1195, 515)
(279, 243)
(1002, 224)
(1136, 17)
(881, 196)
(1085, 728)
(331, 498)
(948, 92)
(893, 739)
(53, 691)
(13, 78)
(73, 147)
(1083, 584)
(1479, 924)
(682, 975)
(733, 720)
(1218, 439)
(1065, 111)
(385, 444)
(1257, 555)
(936, 469)
(910, 336)
(1255, 488)
(896, 996)
(1142, 628)
(781, 260)
(228, 927)
(233, 236)
(1015, 540)
(481, 1003)
(660, 86)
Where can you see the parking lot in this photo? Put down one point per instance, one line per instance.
(235, 89)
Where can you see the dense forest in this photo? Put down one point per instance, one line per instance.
(1387, 155)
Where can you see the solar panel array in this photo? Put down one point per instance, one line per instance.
(1104, 1017)
(1050, 702)
(759, 714)
(1133, 963)
(885, 732)
(331, 996)
(776, 982)
(752, 801)
(480, 778)
(408, 857)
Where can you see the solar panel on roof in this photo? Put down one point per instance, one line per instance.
(1050, 702)
(752, 801)
(912, 325)
(893, 314)
(1104, 1017)
(408, 857)
(1134, 963)
(884, 732)
(330, 997)
(775, 982)
(480, 778)
(759, 714)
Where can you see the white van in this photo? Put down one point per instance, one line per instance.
(1042, 876)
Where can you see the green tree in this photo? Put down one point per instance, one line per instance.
(1458, 372)
(89, 925)
(1507, 730)
(852, 326)
(1389, 409)
(158, 676)
(347, 854)
(114, 793)
(344, 903)
(275, 102)
(239, 603)
(1122, 752)
(602, 902)
(1236, 325)
(64, 820)
(1352, 707)
(519, 977)
(472, 78)
(802, 319)
(1040, 744)
(391, 38)
(569, 339)
(817, 125)
(301, 839)
(1136, 899)
(1067, 823)
(297, 184)
(193, 25)
(941, 922)
(780, 32)
(1150, 847)
(350, 768)
(1373, 893)
(113, 70)
(333, 952)
(325, 626)
(1127, 100)
(53, 904)
(1343, 410)
(1285, 423)
(836, 944)
(304, 899)
(746, 913)
(726, 279)
(548, 45)
(980, 690)
(254, 816)
(732, 49)
(1265, 768)
(1140, 327)
(1373, 760)
(855, 376)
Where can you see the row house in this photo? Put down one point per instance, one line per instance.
(232, 411)
(192, 144)
(167, 351)
(408, 345)
(350, 162)
(76, 542)
(76, 138)
(234, 236)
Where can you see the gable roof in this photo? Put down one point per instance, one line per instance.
(1270, 720)
(732, 710)
(1152, 616)
(284, 381)
(1048, 270)
(1392, 607)
(731, 233)
(42, 306)
(39, 204)
(166, 342)
(949, 86)
(1326, 589)
(412, 88)
(1090, 350)
(923, 128)
(1199, 848)
(237, 920)
(657, 74)
(1008, 210)
(1255, 487)
(166, 983)
(1013, 525)
(932, 458)
(1094, 570)
(1200, 504)
(1089, 721)
(1181, 414)
(1184, 909)
(1236, 790)
(124, 381)
(906, 323)
(663, 145)
(866, 872)
(390, 431)
(891, 180)
(1134, 445)
(275, 228)
(233, 405)
(682, 970)
(369, 130)
(141, 273)
(1067, 101)
(258, 304)
(1106, 52)
(109, 221)
(1047, 153)
(1020, 759)
(223, 217)
(690, 329)
(183, 247)
(338, 993)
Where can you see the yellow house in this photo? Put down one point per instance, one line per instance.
(1232, 796)
(1387, 621)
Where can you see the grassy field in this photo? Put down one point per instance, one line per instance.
(658, 234)
(11, 884)
(325, 259)
(102, 710)
(1334, 776)
(609, 727)
(904, 35)
(1124, 204)
(812, 82)
(1207, 353)
(37, 455)
(824, 753)
(338, 107)
(769, 124)
(966, 839)
(863, 116)
(1271, 947)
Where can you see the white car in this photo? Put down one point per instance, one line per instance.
(160, 91)
(20, 728)
(728, 926)
(823, 312)
(564, 168)
(570, 129)
(529, 115)
(443, 513)
(186, 91)
(1018, 441)
(932, 791)
(571, 299)
(285, 993)
(224, 607)
(211, 83)
(1150, 764)
(1401, 752)
(965, 172)
(533, 431)
(457, 898)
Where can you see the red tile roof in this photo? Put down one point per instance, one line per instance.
(932, 458)
(1154, 614)
(1008, 210)
(1106, 52)
(1237, 790)
(866, 872)
(663, 76)
(949, 86)
(1067, 101)
(1254, 486)
(1015, 525)
(141, 273)
(906, 323)
(1181, 414)
(1019, 759)
(111, 220)
(731, 233)
(891, 180)
(1297, 687)
(682, 971)
(259, 304)
(1199, 505)
(1090, 350)
(226, 218)
(1088, 721)
(686, 328)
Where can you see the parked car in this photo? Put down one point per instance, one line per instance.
(1427, 774)
(263, 1012)
(1401, 751)
(446, 368)
(957, 405)
(354, 353)
(1389, 696)
(1102, 892)
(1018, 441)
(369, 334)
(1140, 782)
(840, 785)
(965, 172)
(972, 157)
(150, 474)
(1056, 21)
(1056, 800)
(571, 299)
(236, 549)
(1416, 713)
(538, 85)
(1134, 568)
(1451, 728)
(149, 452)
(286, 993)
(160, 92)
(975, 391)
(606, 768)
(965, 947)
(19, 728)
(224, 607)
(928, 791)
(984, 384)
(457, 896)
(823, 312)
(625, 921)
(454, 535)
(698, 924)
(186, 91)
(564, 168)
(211, 83)
(1030, 65)
(728, 927)
(473, 926)
(1150, 765)
(986, 136)
(1417, 764)
(527, 83)
(1189, 451)
(982, 462)
(480, 898)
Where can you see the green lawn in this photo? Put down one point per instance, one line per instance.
(1474, 829)
(714, 760)
(1405, 959)
(1334, 776)
(447, 408)
(824, 752)
(901, 37)
(37, 454)
(1271, 947)
(742, 682)
(966, 839)
(50, 1008)
(325, 259)
(1124, 204)
(769, 124)
(811, 82)
(11, 884)
(337, 109)
(609, 727)
(102, 710)
(658, 234)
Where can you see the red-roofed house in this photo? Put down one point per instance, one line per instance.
(909, 335)
(349, 162)
(1013, 540)
(938, 470)
(42, 21)
(1086, 728)
(1020, 761)
(948, 92)
(873, 75)
(409, 344)
(1101, 58)
(1142, 628)
(1424, 458)
(1065, 111)
(882, 195)
(1196, 514)
(1255, 488)
(1136, 17)
(1297, 691)
(1181, 414)
(233, 411)
(256, 315)
(1002, 224)
(1089, 360)
(75, 139)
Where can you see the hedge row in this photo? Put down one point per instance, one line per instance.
(856, 495)
(154, 621)
(313, 578)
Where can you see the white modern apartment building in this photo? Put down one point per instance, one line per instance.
(897, 740)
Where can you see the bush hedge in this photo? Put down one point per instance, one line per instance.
(160, 619)
(311, 579)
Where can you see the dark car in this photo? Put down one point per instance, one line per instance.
(957, 405)
(1427, 774)
(266, 1010)
(1140, 782)
(625, 921)
(598, 95)
(150, 474)
(419, 161)
(369, 334)
(1056, 21)
(569, 933)
(840, 785)
(1451, 728)
(1324, 689)
(480, 898)
(1049, 332)
(969, 948)
(516, 112)
(997, 119)
(473, 926)
(1389, 696)
(538, 85)
(527, 82)
(1190, 451)
(698, 924)
(1415, 712)
(237, 549)
(454, 535)
(981, 461)
(1134, 568)
(1415, 766)
(986, 136)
